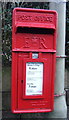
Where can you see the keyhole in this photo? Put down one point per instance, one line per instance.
(21, 81)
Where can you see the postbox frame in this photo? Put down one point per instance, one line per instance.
(15, 52)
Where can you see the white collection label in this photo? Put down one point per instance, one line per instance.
(34, 78)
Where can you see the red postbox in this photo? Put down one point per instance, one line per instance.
(33, 60)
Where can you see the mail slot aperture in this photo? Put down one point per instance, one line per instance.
(34, 30)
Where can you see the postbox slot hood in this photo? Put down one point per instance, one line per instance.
(34, 25)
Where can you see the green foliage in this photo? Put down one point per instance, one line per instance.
(6, 34)
(67, 35)
(7, 9)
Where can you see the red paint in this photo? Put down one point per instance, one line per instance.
(34, 30)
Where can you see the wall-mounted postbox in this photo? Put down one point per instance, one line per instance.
(33, 60)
